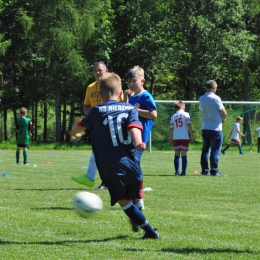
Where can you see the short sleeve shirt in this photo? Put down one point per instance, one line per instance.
(178, 123)
(210, 105)
(93, 97)
(235, 129)
(23, 136)
(144, 101)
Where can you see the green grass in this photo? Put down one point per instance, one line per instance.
(198, 217)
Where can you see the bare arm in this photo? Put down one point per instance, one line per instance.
(223, 113)
(240, 133)
(150, 114)
(170, 135)
(230, 133)
(190, 132)
(127, 94)
(76, 129)
(137, 138)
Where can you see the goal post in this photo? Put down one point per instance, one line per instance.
(250, 111)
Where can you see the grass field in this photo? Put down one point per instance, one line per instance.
(198, 217)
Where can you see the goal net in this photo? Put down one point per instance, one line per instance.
(250, 111)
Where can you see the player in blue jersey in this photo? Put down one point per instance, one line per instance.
(137, 96)
(142, 100)
(116, 141)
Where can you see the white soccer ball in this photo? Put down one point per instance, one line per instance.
(87, 204)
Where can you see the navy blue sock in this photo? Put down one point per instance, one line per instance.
(226, 148)
(177, 164)
(240, 149)
(138, 217)
(184, 163)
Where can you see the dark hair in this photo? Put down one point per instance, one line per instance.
(211, 84)
(130, 74)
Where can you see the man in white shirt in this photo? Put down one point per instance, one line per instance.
(213, 115)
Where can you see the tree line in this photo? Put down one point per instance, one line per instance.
(47, 49)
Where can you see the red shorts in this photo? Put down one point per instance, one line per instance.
(181, 144)
(141, 188)
(234, 141)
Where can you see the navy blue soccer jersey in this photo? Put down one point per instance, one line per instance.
(113, 147)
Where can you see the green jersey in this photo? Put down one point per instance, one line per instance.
(24, 126)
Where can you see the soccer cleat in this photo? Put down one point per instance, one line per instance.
(183, 174)
(135, 227)
(19, 163)
(83, 180)
(222, 151)
(155, 235)
(101, 187)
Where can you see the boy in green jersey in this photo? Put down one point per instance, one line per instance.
(24, 129)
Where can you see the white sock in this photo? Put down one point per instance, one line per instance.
(92, 168)
(140, 204)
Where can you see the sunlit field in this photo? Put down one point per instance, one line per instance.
(198, 217)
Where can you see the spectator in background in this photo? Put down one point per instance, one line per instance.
(92, 98)
(213, 116)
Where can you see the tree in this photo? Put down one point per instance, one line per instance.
(15, 24)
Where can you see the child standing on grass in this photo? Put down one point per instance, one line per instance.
(24, 131)
(116, 142)
(140, 98)
(143, 101)
(234, 135)
(180, 133)
(258, 132)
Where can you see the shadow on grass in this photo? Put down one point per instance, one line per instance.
(173, 175)
(53, 208)
(187, 251)
(63, 242)
(206, 251)
(182, 251)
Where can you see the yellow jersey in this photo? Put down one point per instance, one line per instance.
(93, 97)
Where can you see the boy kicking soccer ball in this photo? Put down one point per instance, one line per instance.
(116, 142)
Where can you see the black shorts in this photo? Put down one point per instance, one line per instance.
(258, 141)
(23, 145)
